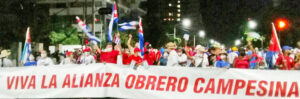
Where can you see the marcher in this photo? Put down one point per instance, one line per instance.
(69, 59)
(109, 55)
(136, 58)
(242, 61)
(182, 57)
(31, 61)
(232, 55)
(125, 56)
(285, 62)
(201, 58)
(163, 60)
(223, 63)
(297, 61)
(44, 60)
(149, 55)
(173, 58)
(5, 62)
(87, 58)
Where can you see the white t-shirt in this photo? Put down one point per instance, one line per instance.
(67, 61)
(44, 62)
(232, 56)
(87, 59)
(173, 59)
(182, 58)
(201, 60)
(6, 62)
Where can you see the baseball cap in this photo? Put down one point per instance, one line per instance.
(137, 50)
(286, 47)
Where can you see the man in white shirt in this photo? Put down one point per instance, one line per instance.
(201, 58)
(4, 61)
(87, 58)
(44, 60)
(232, 55)
(173, 58)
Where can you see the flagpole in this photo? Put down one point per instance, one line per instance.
(118, 16)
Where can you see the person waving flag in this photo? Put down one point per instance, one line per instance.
(141, 36)
(274, 48)
(114, 19)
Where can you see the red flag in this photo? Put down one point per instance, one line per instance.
(274, 43)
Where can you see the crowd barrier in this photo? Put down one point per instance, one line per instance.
(155, 82)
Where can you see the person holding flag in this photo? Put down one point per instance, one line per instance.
(284, 61)
(274, 48)
(31, 61)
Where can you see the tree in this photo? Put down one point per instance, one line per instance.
(66, 36)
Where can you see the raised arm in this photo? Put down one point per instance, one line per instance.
(129, 41)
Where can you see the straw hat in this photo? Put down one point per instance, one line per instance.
(5, 53)
(171, 45)
(200, 48)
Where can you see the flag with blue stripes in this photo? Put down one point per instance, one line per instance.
(114, 19)
(117, 39)
(86, 30)
(128, 25)
(141, 37)
(27, 47)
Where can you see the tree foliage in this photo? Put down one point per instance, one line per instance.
(66, 36)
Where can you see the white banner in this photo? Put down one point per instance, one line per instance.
(156, 82)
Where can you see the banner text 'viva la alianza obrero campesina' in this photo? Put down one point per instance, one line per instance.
(110, 80)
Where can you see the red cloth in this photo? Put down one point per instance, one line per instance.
(192, 53)
(137, 59)
(274, 44)
(109, 57)
(241, 63)
(289, 61)
(125, 58)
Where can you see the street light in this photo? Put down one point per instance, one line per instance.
(202, 33)
(282, 23)
(252, 24)
(212, 41)
(237, 42)
(186, 22)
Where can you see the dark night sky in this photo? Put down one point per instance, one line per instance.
(223, 18)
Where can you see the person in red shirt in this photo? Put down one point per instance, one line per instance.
(157, 56)
(135, 57)
(125, 56)
(109, 55)
(284, 61)
(242, 61)
(149, 55)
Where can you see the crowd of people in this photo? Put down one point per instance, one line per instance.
(171, 55)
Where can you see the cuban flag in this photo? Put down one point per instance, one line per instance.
(117, 39)
(274, 48)
(114, 19)
(141, 36)
(128, 25)
(27, 47)
(86, 30)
